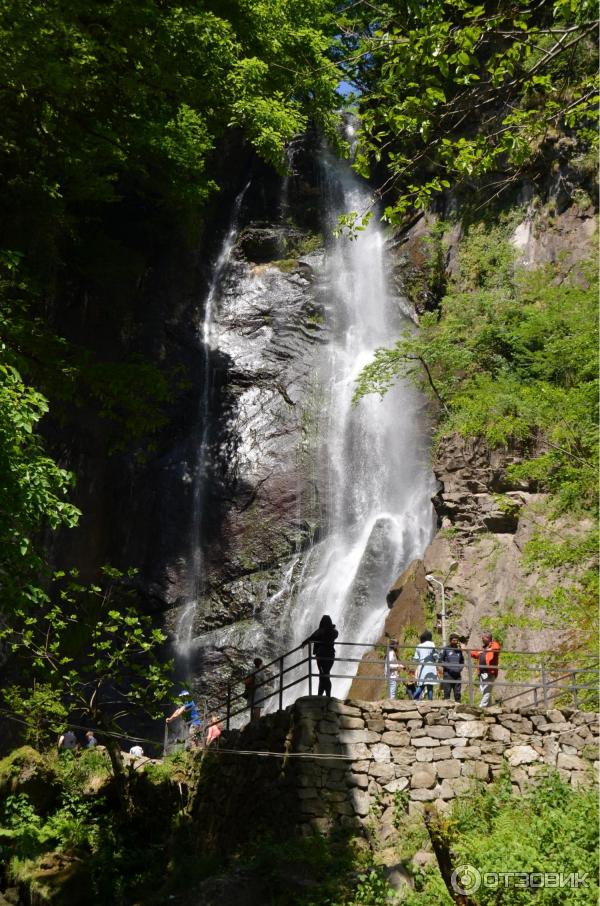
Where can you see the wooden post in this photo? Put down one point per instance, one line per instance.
(281, 682)
(309, 671)
(228, 713)
(575, 700)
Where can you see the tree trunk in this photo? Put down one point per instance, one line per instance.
(440, 840)
(120, 774)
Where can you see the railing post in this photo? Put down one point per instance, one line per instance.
(309, 671)
(545, 686)
(575, 700)
(281, 682)
(228, 706)
(470, 673)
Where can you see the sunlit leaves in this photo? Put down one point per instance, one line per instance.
(512, 358)
(90, 653)
(452, 93)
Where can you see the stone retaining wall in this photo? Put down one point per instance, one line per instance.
(371, 751)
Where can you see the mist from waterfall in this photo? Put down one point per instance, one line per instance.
(374, 470)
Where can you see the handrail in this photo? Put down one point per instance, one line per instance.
(302, 671)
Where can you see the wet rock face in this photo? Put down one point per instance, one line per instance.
(260, 504)
(378, 561)
(268, 335)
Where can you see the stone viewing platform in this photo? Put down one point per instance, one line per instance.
(337, 760)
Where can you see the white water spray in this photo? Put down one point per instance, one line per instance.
(374, 454)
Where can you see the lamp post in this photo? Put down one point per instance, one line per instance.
(431, 578)
(452, 568)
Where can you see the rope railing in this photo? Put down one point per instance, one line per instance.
(300, 667)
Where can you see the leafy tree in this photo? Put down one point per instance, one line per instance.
(457, 94)
(33, 491)
(91, 655)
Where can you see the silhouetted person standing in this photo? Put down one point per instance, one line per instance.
(324, 652)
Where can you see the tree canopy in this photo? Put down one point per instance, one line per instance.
(456, 94)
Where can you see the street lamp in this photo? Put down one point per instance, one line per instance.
(431, 578)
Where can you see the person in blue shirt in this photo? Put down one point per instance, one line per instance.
(188, 710)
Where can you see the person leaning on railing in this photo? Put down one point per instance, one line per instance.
(487, 657)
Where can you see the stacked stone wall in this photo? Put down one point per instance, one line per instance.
(341, 762)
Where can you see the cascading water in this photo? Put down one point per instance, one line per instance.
(378, 480)
(185, 625)
(292, 452)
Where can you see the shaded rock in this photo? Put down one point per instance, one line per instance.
(406, 601)
(27, 772)
(58, 879)
(261, 243)
(378, 561)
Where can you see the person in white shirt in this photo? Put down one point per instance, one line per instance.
(392, 669)
(426, 671)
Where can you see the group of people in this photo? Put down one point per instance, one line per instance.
(430, 668)
(68, 741)
(444, 667)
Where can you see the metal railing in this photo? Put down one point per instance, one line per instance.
(524, 674)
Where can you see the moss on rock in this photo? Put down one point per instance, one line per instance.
(26, 771)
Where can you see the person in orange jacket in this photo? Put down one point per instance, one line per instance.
(487, 657)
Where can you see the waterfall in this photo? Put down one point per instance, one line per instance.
(376, 480)
(184, 630)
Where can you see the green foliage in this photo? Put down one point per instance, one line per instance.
(372, 890)
(307, 244)
(75, 771)
(46, 714)
(571, 606)
(33, 489)
(552, 828)
(91, 654)
(511, 356)
(170, 768)
(459, 95)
